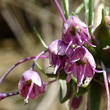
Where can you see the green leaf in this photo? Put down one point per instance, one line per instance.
(66, 8)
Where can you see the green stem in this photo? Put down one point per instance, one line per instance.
(95, 96)
(90, 14)
(66, 8)
(40, 68)
(39, 37)
(85, 2)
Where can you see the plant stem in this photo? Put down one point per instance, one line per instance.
(39, 37)
(85, 2)
(95, 96)
(18, 63)
(90, 15)
(60, 10)
(66, 8)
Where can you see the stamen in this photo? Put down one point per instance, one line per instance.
(57, 66)
(97, 71)
(78, 77)
(70, 43)
(90, 44)
(29, 92)
(82, 76)
(79, 41)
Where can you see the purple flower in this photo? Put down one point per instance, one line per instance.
(58, 54)
(75, 32)
(81, 65)
(30, 85)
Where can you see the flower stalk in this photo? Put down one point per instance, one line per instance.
(66, 8)
(39, 37)
(60, 10)
(90, 15)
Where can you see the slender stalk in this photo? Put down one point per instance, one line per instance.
(39, 37)
(40, 68)
(90, 15)
(60, 10)
(85, 2)
(9, 70)
(4, 95)
(50, 82)
(106, 86)
(37, 57)
(29, 92)
(18, 63)
(66, 8)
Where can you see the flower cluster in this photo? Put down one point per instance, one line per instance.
(68, 54)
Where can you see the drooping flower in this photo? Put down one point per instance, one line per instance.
(30, 85)
(81, 65)
(75, 32)
(58, 54)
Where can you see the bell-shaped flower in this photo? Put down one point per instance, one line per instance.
(75, 32)
(30, 85)
(58, 54)
(81, 65)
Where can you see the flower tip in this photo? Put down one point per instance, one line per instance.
(26, 101)
(90, 44)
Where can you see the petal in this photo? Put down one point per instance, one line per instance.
(54, 47)
(68, 78)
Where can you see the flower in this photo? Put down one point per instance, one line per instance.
(58, 54)
(81, 65)
(30, 85)
(75, 32)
